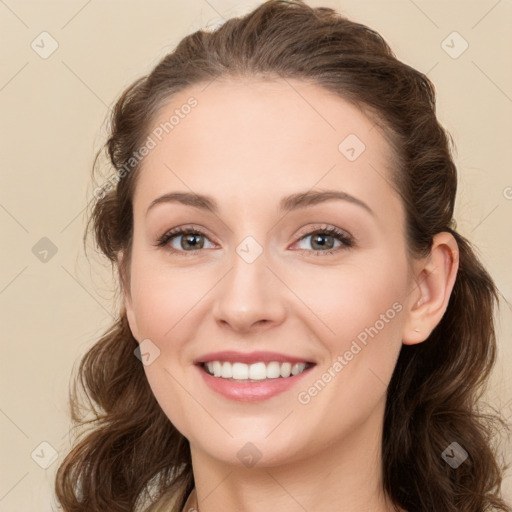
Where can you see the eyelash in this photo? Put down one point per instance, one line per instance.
(348, 241)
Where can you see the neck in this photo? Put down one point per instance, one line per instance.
(346, 475)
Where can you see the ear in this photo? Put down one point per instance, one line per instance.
(434, 278)
(127, 305)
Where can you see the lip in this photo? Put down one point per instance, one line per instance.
(232, 356)
(254, 391)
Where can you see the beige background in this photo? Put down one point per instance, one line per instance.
(52, 122)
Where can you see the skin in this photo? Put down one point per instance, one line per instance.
(248, 143)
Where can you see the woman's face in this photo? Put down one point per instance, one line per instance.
(254, 276)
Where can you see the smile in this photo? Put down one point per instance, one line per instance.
(254, 382)
(254, 372)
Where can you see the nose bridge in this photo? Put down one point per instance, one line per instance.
(250, 292)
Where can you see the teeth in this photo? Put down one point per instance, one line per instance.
(226, 371)
(286, 369)
(255, 371)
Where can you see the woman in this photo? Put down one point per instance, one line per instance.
(302, 327)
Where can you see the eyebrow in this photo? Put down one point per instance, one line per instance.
(287, 204)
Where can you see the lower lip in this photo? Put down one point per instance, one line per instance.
(250, 391)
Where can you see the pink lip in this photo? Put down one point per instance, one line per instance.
(253, 391)
(249, 357)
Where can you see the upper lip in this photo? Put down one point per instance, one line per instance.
(250, 357)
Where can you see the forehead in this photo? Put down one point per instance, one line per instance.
(247, 138)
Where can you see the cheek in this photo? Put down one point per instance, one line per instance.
(162, 296)
(348, 300)
(359, 324)
(166, 304)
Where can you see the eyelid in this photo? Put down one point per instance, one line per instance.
(324, 228)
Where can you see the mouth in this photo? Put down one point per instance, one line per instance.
(252, 376)
(255, 372)
(252, 382)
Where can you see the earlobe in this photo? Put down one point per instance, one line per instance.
(434, 280)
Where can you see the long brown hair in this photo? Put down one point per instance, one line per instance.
(131, 456)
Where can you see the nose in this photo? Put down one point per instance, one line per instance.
(251, 297)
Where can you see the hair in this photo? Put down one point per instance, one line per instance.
(131, 455)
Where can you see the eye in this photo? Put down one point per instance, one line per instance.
(323, 240)
(192, 240)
